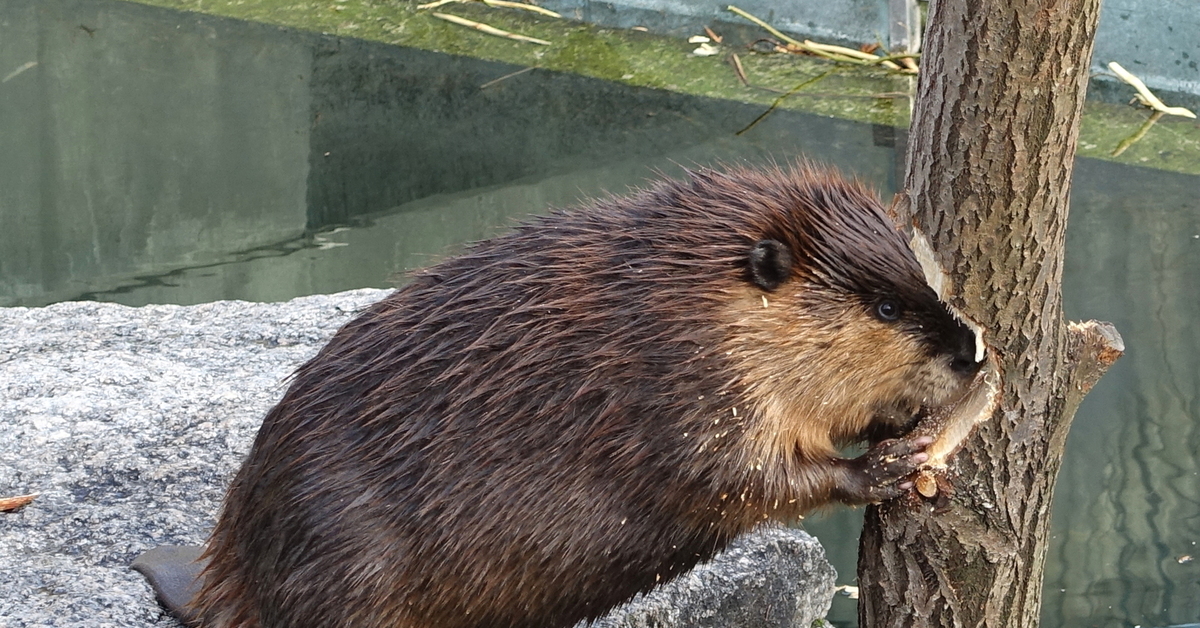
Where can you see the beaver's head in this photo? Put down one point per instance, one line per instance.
(835, 325)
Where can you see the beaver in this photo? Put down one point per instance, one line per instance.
(534, 431)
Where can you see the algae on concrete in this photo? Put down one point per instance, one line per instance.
(630, 57)
(636, 58)
(1172, 143)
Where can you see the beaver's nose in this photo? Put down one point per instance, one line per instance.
(964, 363)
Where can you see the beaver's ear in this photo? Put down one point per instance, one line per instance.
(770, 264)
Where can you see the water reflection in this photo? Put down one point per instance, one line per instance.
(1127, 508)
(156, 156)
(375, 250)
(146, 142)
(140, 142)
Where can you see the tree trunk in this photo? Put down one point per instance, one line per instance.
(990, 158)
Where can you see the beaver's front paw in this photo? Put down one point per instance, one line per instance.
(883, 472)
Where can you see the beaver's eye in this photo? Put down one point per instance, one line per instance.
(887, 310)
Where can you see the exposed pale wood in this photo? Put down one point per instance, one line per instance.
(487, 28)
(1145, 96)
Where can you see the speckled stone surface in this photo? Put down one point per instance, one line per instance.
(772, 578)
(129, 423)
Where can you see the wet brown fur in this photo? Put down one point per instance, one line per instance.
(534, 431)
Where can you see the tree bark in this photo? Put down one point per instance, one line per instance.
(990, 158)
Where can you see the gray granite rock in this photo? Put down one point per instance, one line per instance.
(774, 578)
(129, 423)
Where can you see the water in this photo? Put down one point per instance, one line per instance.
(149, 148)
(159, 157)
(1127, 506)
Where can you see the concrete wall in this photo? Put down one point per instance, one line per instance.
(1159, 40)
(836, 21)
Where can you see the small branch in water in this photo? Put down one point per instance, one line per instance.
(1145, 96)
(490, 30)
(506, 77)
(1139, 134)
(17, 72)
(784, 96)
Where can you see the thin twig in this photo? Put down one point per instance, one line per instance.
(521, 5)
(490, 30)
(506, 77)
(17, 72)
(10, 504)
(738, 69)
(830, 51)
(784, 96)
(852, 53)
(1139, 134)
(768, 27)
(494, 3)
(1145, 95)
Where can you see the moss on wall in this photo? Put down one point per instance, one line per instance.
(645, 59)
